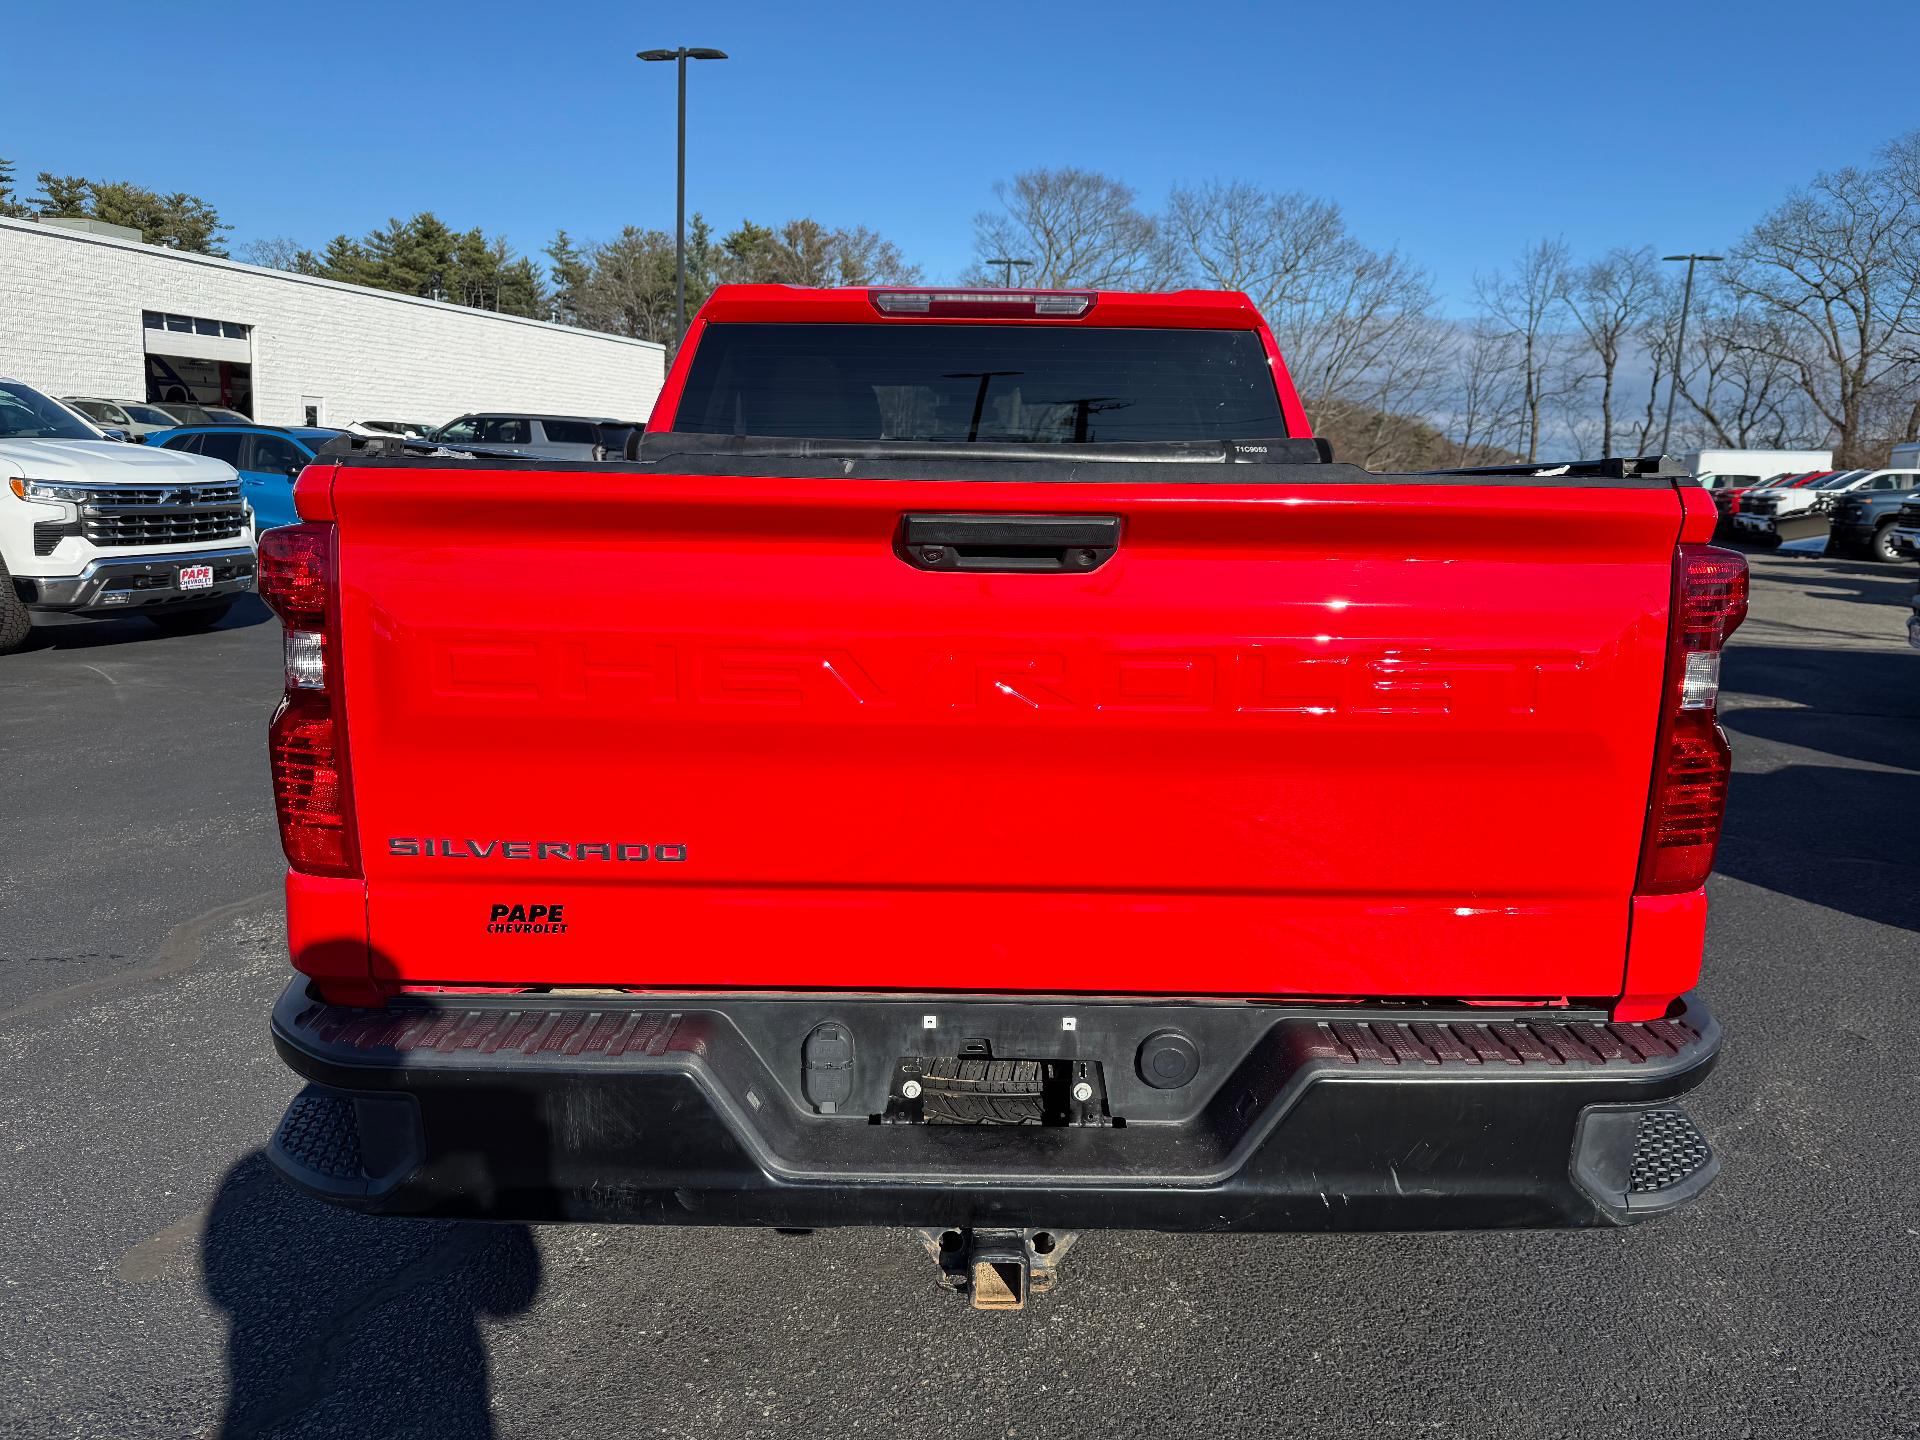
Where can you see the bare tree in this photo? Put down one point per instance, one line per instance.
(861, 257)
(1734, 379)
(1236, 236)
(1898, 418)
(1356, 324)
(1834, 275)
(1491, 406)
(1657, 336)
(1360, 333)
(280, 252)
(1525, 299)
(1810, 332)
(1082, 230)
(1609, 299)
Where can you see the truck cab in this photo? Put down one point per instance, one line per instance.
(92, 526)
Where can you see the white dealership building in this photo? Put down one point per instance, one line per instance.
(99, 314)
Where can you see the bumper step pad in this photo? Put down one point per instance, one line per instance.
(347, 1147)
(318, 1133)
(1640, 1161)
(1668, 1150)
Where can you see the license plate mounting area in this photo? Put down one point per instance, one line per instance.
(978, 1089)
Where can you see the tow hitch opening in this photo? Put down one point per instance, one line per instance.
(998, 1269)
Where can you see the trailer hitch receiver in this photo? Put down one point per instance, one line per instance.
(998, 1269)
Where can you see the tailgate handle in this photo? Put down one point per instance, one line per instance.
(1029, 543)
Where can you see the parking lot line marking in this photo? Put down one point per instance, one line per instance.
(161, 1253)
(178, 952)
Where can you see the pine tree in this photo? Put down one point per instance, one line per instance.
(11, 207)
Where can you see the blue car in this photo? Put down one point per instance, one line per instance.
(267, 457)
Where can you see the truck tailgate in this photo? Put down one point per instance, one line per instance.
(1315, 739)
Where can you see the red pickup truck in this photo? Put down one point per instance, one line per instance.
(980, 765)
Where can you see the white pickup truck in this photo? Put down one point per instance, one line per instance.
(93, 526)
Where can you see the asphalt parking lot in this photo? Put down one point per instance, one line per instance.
(158, 1281)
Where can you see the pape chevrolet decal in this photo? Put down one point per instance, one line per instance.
(527, 920)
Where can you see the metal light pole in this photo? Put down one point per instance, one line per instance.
(1680, 343)
(1006, 279)
(681, 56)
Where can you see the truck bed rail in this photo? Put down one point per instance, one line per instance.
(1611, 467)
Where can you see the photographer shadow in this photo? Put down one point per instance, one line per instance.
(344, 1324)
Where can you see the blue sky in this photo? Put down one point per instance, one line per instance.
(1460, 132)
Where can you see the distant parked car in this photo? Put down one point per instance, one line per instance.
(89, 527)
(267, 457)
(1818, 495)
(1904, 537)
(138, 419)
(221, 415)
(1806, 479)
(1866, 520)
(407, 428)
(542, 437)
(1729, 498)
(183, 412)
(1789, 512)
(1800, 514)
(1754, 511)
(1761, 512)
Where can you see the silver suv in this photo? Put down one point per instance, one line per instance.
(540, 437)
(138, 419)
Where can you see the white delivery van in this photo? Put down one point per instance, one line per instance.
(1717, 469)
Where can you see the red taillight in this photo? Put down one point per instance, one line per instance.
(307, 741)
(310, 786)
(1711, 596)
(296, 573)
(1693, 763)
(1689, 802)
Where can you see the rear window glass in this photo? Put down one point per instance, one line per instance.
(499, 430)
(570, 432)
(222, 446)
(1008, 383)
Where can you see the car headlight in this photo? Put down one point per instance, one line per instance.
(49, 493)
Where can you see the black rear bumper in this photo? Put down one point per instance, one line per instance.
(706, 1109)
